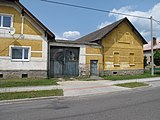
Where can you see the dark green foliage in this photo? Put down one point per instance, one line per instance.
(145, 61)
(157, 58)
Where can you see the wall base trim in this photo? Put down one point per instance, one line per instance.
(123, 72)
(26, 73)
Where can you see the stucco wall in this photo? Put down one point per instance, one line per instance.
(123, 50)
(33, 36)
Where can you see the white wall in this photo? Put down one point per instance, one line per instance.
(82, 60)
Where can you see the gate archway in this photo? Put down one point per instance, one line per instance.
(64, 61)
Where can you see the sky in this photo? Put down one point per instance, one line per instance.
(71, 23)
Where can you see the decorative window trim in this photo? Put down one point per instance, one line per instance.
(20, 47)
(10, 15)
(117, 62)
(131, 59)
(132, 64)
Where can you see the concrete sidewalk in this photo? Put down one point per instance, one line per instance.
(77, 88)
(29, 88)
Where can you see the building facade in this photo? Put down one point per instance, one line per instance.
(147, 49)
(29, 49)
(23, 42)
(119, 50)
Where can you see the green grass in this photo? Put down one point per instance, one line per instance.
(132, 84)
(26, 82)
(126, 77)
(30, 94)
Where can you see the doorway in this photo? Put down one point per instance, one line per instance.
(93, 67)
(64, 61)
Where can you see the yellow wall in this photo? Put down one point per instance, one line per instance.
(36, 45)
(17, 20)
(94, 53)
(129, 47)
(122, 50)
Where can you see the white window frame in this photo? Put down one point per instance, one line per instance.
(8, 15)
(21, 47)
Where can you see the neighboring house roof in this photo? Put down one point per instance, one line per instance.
(101, 33)
(49, 33)
(147, 47)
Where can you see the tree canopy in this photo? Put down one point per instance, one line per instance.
(157, 58)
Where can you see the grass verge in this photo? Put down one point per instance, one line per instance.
(26, 82)
(30, 94)
(126, 77)
(132, 84)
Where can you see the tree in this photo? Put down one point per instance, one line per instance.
(157, 58)
(145, 61)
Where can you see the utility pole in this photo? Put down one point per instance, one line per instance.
(152, 60)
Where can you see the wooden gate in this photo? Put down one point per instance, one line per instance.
(94, 67)
(64, 62)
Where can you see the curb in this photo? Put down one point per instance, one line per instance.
(8, 102)
(4, 102)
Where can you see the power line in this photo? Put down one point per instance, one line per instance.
(158, 22)
(95, 9)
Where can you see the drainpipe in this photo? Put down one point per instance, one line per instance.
(22, 25)
(103, 59)
(102, 55)
(48, 58)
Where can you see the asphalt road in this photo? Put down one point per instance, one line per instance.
(140, 104)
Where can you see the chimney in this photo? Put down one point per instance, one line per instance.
(154, 41)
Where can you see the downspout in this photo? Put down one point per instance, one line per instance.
(48, 58)
(22, 25)
(102, 56)
(103, 59)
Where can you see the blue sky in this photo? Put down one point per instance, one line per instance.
(70, 23)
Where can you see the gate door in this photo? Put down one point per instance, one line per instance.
(64, 61)
(93, 67)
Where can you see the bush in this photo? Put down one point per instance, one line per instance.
(157, 58)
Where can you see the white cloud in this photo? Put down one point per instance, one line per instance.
(71, 34)
(103, 24)
(68, 35)
(60, 38)
(142, 25)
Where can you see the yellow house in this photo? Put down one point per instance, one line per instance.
(23, 42)
(116, 49)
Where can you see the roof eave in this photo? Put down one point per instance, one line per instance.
(51, 35)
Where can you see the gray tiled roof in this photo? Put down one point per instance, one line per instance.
(101, 33)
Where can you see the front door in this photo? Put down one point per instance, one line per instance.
(94, 67)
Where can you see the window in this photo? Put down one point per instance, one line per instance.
(20, 53)
(5, 20)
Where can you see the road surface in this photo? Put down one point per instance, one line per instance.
(140, 104)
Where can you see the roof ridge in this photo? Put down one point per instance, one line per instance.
(100, 33)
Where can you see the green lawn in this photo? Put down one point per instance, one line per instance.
(30, 94)
(26, 82)
(125, 77)
(132, 84)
